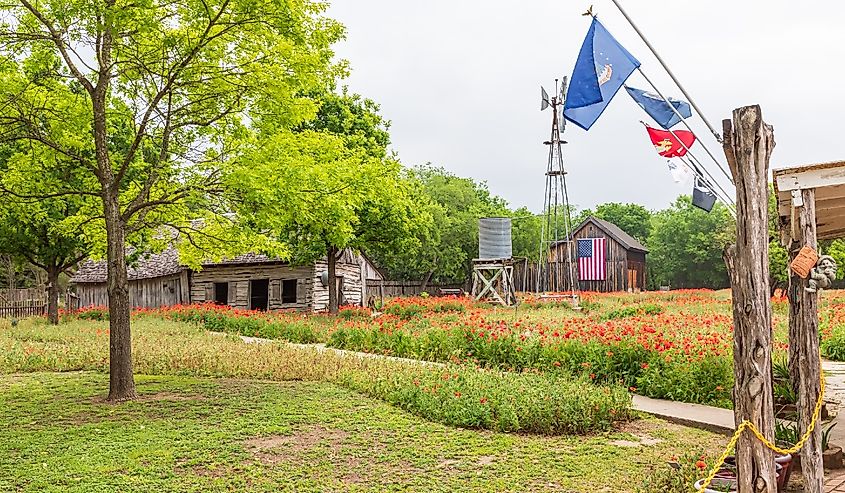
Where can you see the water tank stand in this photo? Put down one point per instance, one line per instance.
(492, 281)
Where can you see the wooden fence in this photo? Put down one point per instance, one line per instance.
(391, 289)
(552, 276)
(31, 302)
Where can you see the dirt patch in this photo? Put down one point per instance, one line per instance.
(641, 440)
(277, 448)
(486, 460)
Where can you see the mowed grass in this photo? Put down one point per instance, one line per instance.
(189, 433)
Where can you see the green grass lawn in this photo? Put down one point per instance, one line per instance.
(207, 434)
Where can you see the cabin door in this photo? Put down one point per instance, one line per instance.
(259, 294)
(632, 279)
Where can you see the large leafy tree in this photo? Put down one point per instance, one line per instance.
(686, 245)
(41, 231)
(338, 197)
(150, 101)
(455, 204)
(633, 219)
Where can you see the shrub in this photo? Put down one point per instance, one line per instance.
(633, 311)
(677, 476)
(502, 401)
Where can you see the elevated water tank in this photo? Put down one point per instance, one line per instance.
(494, 238)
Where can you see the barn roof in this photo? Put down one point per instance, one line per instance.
(615, 232)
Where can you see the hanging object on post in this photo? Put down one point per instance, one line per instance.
(804, 262)
(822, 275)
(702, 196)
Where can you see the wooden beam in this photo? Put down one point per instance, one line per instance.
(804, 364)
(812, 178)
(748, 144)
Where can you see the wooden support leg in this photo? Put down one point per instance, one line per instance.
(804, 346)
(748, 144)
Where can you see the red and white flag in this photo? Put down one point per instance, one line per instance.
(591, 260)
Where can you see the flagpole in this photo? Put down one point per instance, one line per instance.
(675, 110)
(668, 71)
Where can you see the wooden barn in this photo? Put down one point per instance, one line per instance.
(249, 281)
(624, 258)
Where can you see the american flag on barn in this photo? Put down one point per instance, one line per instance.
(603, 256)
(591, 259)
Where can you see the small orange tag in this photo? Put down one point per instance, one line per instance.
(806, 260)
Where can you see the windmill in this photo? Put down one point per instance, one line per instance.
(556, 274)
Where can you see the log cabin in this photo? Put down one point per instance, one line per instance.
(250, 281)
(624, 257)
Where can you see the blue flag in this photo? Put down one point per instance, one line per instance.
(602, 67)
(657, 108)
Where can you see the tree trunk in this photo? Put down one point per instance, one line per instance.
(748, 145)
(53, 295)
(332, 264)
(804, 347)
(121, 380)
(426, 280)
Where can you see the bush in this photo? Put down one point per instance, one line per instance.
(633, 311)
(548, 404)
(679, 477)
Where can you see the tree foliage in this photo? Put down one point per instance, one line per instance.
(686, 245)
(148, 103)
(633, 219)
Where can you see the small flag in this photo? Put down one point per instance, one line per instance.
(680, 172)
(591, 265)
(657, 108)
(702, 196)
(544, 99)
(667, 145)
(601, 69)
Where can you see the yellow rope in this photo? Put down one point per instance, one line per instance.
(783, 451)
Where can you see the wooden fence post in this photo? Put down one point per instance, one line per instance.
(804, 345)
(748, 144)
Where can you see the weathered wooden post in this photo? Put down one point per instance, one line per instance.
(804, 340)
(748, 144)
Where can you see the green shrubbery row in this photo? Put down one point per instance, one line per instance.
(706, 380)
(502, 401)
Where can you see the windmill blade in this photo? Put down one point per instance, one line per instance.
(544, 99)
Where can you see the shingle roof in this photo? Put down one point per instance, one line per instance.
(615, 232)
(151, 265)
(147, 266)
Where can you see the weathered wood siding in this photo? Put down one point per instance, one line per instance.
(143, 293)
(353, 287)
(238, 277)
(619, 262)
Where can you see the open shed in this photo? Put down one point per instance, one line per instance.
(811, 207)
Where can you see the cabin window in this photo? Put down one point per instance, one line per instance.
(288, 291)
(259, 291)
(221, 293)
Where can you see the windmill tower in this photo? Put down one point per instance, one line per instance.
(557, 252)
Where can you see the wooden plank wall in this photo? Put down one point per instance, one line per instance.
(353, 285)
(554, 273)
(143, 293)
(238, 277)
(393, 289)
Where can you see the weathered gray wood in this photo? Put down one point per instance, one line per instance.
(804, 346)
(748, 144)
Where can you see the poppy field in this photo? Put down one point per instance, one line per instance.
(672, 345)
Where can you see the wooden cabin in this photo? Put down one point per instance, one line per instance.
(625, 267)
(249, 281)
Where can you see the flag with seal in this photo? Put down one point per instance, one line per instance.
(668, 145)
(602, 67)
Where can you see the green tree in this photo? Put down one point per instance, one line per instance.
(36, 228)
(455, 204)
(778, 256)
(151, 101)
(686, 245)
(325, 196)
(633, 219)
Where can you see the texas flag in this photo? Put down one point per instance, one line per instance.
(667, 145)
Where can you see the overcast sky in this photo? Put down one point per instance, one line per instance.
(459, 81)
